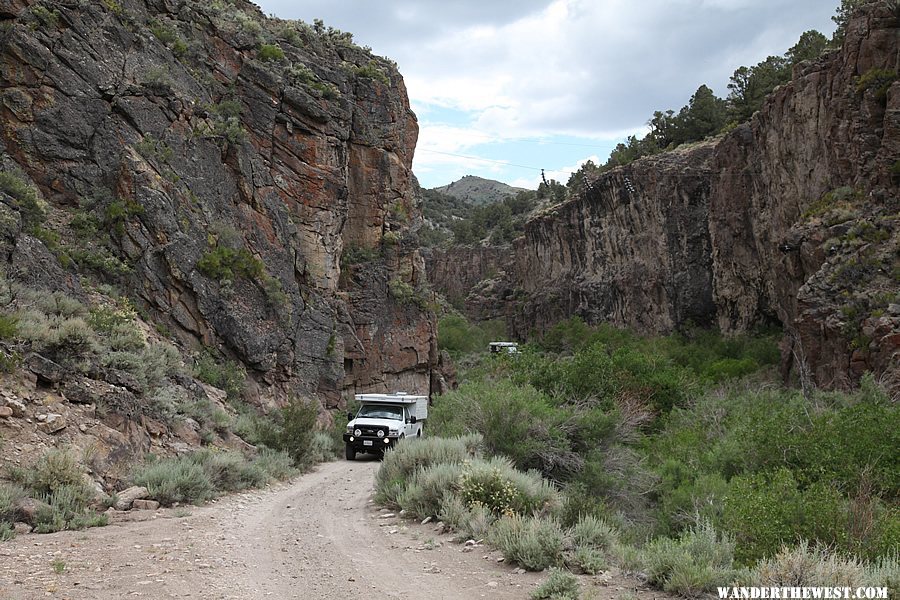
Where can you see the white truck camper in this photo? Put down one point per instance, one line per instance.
(382, 421)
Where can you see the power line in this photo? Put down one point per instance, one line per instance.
(539, 141)
(499, 162)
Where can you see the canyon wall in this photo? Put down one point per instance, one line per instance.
(789, 219)
(259, 171)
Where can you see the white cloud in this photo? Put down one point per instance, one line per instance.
(598, 67)
(543, 68)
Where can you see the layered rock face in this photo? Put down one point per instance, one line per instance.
(634, 250)
(790, 219)
(458, 269)
(234, 161)
(804, 209)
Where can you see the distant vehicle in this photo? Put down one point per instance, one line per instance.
(382, 421)
(501, 347)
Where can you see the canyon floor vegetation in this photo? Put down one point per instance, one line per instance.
(679, 458)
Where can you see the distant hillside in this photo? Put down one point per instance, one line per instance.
(479, 191)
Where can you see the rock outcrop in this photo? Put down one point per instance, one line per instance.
(458, 269)
(252, 176)
(789, 219)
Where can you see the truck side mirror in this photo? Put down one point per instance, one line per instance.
(349, 416)
(412, 419)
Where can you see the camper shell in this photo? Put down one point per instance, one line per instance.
(504, 347)
(382, 420)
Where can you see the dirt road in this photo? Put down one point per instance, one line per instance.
(318, 537)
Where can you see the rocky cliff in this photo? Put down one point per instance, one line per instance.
(789, 219)
(459, 269)
(242, 183)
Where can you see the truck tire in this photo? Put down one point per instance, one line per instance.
(349, 452)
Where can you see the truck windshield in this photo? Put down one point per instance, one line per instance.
(378, 411)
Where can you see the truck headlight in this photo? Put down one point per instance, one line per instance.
(349, 429)
(381, 433)
(395, 432)
(357, 432)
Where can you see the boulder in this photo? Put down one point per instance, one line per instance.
(53, 423)
(29, 508)
(144, 505)
(17, 408)
(45, 369)
(187, 431)
(22, 528)
(126, 497)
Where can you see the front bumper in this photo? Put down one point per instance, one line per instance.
(369, 443)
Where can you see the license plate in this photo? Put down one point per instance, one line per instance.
(367, 442)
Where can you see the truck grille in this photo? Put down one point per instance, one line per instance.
(372, 430)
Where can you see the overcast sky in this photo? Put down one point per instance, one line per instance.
(521, 85)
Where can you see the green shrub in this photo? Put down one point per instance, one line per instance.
(293, 431)
(488, 488)
(560, 585)
(587, 560)
(517, 421)
(223, 263)
(276, 464)
(231, 129)
(401, 463)
(9, 361)
(627, 557)
(322, 448)
(766, 511)
(696, 563)
(805, 566)
(591, 532)
(836, 446)
(197, 477)
(175, 480)
(270, 52)
(9, 327)
(372, 71)
(878, 80)
(64, 339)
(426, 491)
(580, 501)
(471, 523)
(57, 304)
(159, 361)
(108, 319)
(7, 532)
(162, 32)
(119, 211)
(229, 471)
(10, 497)
(498, 486)
(203, 410)
(355, 255)
(226, 375)
(26, 198)
(56, 468)
(405, 293)
(531, 542)
(67, 508)
(44, 16)
(302, 75)
(227, 108)
(100, 260)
